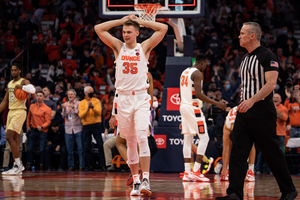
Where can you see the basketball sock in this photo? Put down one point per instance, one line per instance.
(251, 166)
(196, 166)
(136, 178)
(187, 168)
(228, 167)
(18, 161)
(146, 176)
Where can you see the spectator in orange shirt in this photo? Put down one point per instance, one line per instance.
(38, 120)
(69, 64)
(87, 62)
(99, 60)
(68, 25)
(53, 50)
(64, 34)
(79, 25)
(282, 116)
(292, 104)
(96, 78)
(10, 44)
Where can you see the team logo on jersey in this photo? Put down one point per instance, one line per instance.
(161, 141)
(137, 54)
(173, 99)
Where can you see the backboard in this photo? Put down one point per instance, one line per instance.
(170, 8)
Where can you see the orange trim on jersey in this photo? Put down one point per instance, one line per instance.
(186, 72)
(195, 104)
(197, 111)
(200, 123)
(193, 93)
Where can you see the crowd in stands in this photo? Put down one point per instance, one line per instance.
(77, 58)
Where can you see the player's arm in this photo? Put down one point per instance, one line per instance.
(160, 31)
(197, 78)
(26, 86)
(226, 149)
(102, 31)
(4, 103)
(150, 89)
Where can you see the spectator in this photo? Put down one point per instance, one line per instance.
(277, 19)
(36, 51)
(291, 103)
(107, 146)
(79, 89)
(90, 113)
(53, 50)
(73, 130)
(87, 62)
(48, 101)
(64, 34)
(256, 16)
(58, 101)
(38, 120)
(67, 4)
(68, 47)
(56, 143)
(10, 44)
(99, 60)
(24, 25)
(213, 46)
(45, 37)
(53, 72)
(69, 65)
(96, 78)
(282, 117)
(37, 18)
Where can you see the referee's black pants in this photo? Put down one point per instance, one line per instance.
(257, 125)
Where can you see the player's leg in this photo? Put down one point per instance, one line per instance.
(226, 154)
(186, 150)
(250, 173)
(6, 157)
(141, 121)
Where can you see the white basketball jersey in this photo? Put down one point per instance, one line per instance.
(230, 119)
(131, 69)
(187, 89)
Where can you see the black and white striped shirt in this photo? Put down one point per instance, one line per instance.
(253, 68)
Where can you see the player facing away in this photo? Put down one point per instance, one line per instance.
(131, 89)
(193, 120)
(227, 130)
(16, 115)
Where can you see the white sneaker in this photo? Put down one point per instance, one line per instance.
(15, 170)
(135, 190)
(218, 168)
(145, 188)
(197, 176)
(187, 178)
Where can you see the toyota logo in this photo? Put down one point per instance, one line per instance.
(159, 141)
(175, 99)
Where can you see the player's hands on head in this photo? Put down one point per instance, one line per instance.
(136, 19)
(126, 18)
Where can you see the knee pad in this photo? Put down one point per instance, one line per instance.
(187, 145)
(132, 154)
(142, 138)
(203, 142)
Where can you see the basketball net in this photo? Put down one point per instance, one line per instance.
(147, 11)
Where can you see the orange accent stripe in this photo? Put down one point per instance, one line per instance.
(186, 72)
(200, 123)
(197, 111)
(116, 122)
(193, 93)
(115, 105)
(195, 104)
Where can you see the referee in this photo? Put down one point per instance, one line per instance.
(256, 117)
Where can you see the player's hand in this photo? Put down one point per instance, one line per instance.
(223, 173)
(39, 128)
(28, 129)
(105, 133)
(180, 126)
(245, 106)
(112, 122)
(222, 104)
(136, 19)
(126, 18)
(49, 143)
(18, 87)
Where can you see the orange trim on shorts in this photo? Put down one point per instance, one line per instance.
(195, 104)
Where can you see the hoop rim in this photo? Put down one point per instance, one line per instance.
(144, 5)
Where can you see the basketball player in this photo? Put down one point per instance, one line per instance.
(16, 115)
(193, 120)
(131, 89)
(228, 126)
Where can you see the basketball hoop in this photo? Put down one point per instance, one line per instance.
(147, 11)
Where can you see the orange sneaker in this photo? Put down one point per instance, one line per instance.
(197, 176)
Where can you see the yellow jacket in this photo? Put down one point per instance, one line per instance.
(91, 115)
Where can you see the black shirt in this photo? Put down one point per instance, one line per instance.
(253, 68)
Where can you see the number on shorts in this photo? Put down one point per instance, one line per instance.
(184, 80)
(232, 113)
(130, 67)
